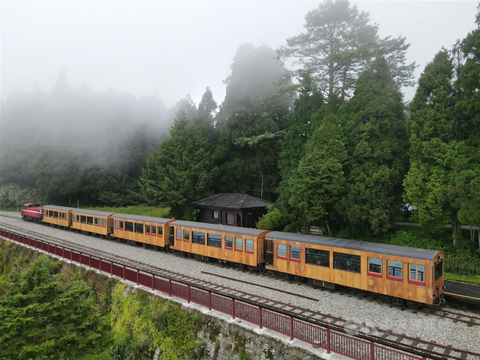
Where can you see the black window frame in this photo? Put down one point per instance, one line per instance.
(138, 230)
(347, 262)
(198, 237)
(317, 257)
(214, 240)
(129, 226)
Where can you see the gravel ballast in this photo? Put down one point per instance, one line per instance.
(374, 315)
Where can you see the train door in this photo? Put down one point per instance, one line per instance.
(268, 253)
(171, 236)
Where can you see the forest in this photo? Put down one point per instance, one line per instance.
(332, 143)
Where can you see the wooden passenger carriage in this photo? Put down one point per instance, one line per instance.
(57, 215)
(97, 222)
(228, 243)
(144, 229)
(415, 275)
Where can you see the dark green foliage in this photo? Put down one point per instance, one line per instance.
(181, 170)
(374, 126)
(318, 182)
(46, 313)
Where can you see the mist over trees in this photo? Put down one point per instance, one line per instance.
(331, 141)
(73, 144)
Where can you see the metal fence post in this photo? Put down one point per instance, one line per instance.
(260, 323)
(328, 340)
(291, 328)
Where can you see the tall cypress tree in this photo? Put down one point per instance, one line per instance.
(374, 125)
(432, 136)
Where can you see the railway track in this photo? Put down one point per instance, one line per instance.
(385, 337)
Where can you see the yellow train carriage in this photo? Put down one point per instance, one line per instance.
(57, 215)
(96, 222)
(414, 275)
(143, 229)
(229, 243)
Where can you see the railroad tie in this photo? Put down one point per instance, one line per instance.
(463, 356)
(447, 351)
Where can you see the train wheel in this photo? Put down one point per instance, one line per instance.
(413, 304)
(261, 268)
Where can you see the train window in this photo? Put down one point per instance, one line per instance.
(413, 272)
(294, 253)
(147, 229)
(228, 242)
(374, 266)
(186, 235)
(198, 237)
(160, 231)
(89, 220)
(281, 251)
(249, 246)
(83, 219)
(50, 213)
(317, 257)
(96, 222)
(179, 234)
(154, 230)
(417, 274)
(395, 270)
(128, 226)
(214, 240)
(121, 225)
(238, 244)
(347, 262)
(438, 270)
(139, 228)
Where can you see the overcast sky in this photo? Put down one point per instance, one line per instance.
(176, 47)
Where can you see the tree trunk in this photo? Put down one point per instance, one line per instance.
(328, 227)
(455, 226)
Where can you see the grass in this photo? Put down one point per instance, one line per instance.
(475, 279)
(137, 210)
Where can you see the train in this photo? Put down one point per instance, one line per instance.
(403, 275)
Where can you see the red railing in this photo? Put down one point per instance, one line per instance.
(322, 337)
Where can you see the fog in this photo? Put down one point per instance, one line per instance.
(169, 49)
